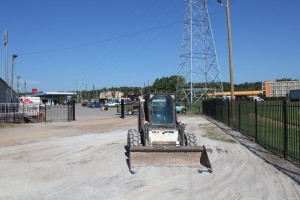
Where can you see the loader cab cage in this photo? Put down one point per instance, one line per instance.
(161, 110)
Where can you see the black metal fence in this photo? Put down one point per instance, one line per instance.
(16, 113)
(10, 113)
(273, 124)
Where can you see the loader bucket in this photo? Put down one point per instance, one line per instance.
(191, 156)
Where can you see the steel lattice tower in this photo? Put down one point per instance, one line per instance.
(199, 72)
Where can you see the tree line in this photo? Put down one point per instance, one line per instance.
(168, 85)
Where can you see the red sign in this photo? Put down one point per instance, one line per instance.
(34, 91)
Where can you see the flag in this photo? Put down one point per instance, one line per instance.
(5, 37)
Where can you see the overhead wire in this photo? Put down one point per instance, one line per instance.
(141, 40)
(117, 62)
(102, 41)
(145, 40)
(125, 37)
(108, 61)
(109, 39)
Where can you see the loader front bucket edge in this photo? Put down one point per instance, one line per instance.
(168, 155)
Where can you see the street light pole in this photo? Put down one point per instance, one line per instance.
(12, 77)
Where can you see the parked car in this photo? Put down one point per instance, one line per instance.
(180, 108)
(112, 104)
(94, 105)
(85, 103)
(258, 99)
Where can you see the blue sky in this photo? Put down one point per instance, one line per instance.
(65, 45)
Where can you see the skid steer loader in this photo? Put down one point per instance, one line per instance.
(160, 138)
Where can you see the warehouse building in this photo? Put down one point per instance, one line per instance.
(5, 93)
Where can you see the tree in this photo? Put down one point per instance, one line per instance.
(243, 86)
(165, 84)
(285, 79)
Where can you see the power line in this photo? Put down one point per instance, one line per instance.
(101, 41)
(110, 39)
(166, 11)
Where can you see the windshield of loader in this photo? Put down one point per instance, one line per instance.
(161, 110)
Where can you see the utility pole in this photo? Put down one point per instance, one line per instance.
(25, 89)
(81, 89)
(77, 88)
(12, 77)
(5, 64)
(230, 51)
(18, 78)
(230, 59)
(86, 92)
(5, 55)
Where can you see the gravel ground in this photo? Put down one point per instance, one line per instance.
(86, 159)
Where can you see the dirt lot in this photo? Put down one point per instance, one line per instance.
(85, 159)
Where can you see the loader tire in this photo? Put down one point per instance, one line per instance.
(191, 139)
(134, 138)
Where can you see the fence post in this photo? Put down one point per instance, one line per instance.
(221, 102)
(73, 110)
(239, 116)
(185, 107)
(228, 111)
(68, 106)
(215, 111)
(255, 113)
(23, 113)
(122, 109)
(202, 107)
(285, 130)
(45, 113)
(14, 113)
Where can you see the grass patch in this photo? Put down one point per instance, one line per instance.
(214, 133)
(6, 125)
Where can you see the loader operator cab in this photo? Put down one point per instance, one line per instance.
(161, 109)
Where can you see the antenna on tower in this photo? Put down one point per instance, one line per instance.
(198, 72)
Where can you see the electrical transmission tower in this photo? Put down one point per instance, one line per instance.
(199, 73)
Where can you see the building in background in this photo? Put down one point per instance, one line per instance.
(280, 88)
(5, 93)
(111, 95)
(54, 98)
